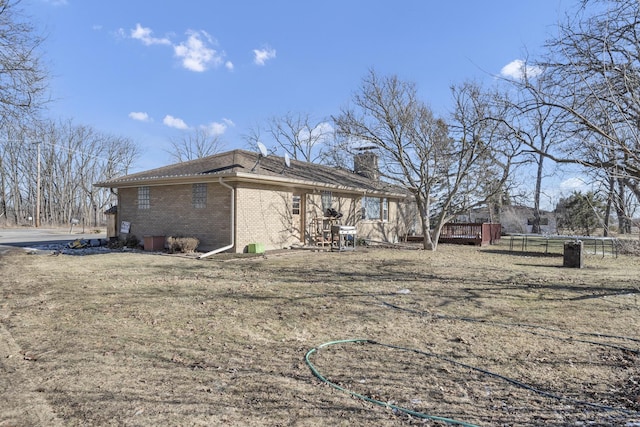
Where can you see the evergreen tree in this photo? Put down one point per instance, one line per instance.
(580, 213)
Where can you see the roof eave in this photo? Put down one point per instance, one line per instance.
(299, 183)
(244, 177)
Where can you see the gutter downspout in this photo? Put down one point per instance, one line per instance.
(231, 221)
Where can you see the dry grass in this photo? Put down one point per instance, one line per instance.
(141, 339)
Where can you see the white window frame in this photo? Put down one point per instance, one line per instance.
(385, 209)
(371, 208)
(375, 208)
(327, 200)
(296, 201)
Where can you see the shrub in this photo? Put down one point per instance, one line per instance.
(182, 244)
(132, 241)
(629, 247)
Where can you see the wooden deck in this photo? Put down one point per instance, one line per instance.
(467, 233)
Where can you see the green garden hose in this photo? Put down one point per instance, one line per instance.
(369, 399)
(434, 417)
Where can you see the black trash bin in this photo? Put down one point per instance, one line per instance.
(573, 254)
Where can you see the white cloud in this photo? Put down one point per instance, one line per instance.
(573, 184)
(321, 132)
(140, 116)
(261, 56)
(144, 35)
(517, 69)
(174, 122)
(215, 128)
(195, 53)
(323, 128)
(120, 33)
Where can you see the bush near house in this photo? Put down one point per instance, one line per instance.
(182, 244)
(131, 241)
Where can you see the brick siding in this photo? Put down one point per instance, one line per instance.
(263, 214)
(172, 214)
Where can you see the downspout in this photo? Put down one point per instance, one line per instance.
(231, 223)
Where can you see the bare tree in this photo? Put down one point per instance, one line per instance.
(297, 134)
(489, 153)
(538, 126)
(72, 158)
(594, 63)
(22, 75)
(195, 144)
(14, 155)
(417, 151)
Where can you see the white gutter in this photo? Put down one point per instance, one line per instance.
(231, 221)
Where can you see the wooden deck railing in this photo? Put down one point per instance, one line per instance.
(470, 233)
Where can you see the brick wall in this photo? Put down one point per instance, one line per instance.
(391, 231)
(381, 231)
(349, 205)
(263, 214)
(172, 213)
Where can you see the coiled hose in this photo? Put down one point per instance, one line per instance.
(369, 399)
(435, 417)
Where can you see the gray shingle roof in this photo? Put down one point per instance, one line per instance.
(241, 162)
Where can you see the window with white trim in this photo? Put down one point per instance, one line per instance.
(144, 198)
(326, 200)
(295, 204)
(375, 208)
(370, 208)
(385, 209)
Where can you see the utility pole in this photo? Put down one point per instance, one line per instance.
(38, 189)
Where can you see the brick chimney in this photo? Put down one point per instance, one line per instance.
(366, 164)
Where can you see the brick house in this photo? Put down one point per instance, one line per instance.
(238, 198)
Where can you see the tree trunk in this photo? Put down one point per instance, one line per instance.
(3, 194)
(607, 212)
(425, 222)
(624, 223)
(536, 197)
(16, 198)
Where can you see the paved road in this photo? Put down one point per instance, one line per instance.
(33, 237)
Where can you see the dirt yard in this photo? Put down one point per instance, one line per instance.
(464, 335)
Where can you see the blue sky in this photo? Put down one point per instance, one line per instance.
(149, 70)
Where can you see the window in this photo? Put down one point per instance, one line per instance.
(295, 205)
(144, 198)
(385, 209)
(375, 208)
(326, 200)
(199, 197)
(370, 208)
